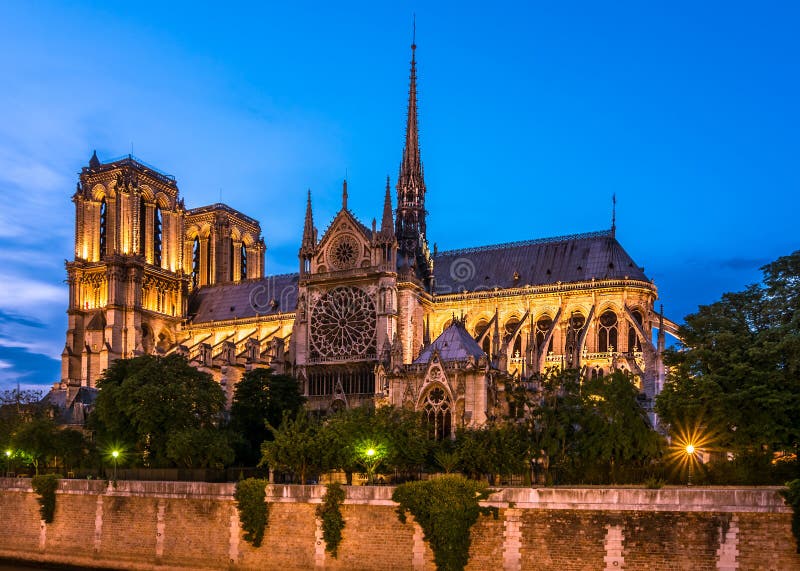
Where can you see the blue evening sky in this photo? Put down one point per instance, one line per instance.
(532, 115)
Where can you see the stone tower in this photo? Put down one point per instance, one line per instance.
(127, 289)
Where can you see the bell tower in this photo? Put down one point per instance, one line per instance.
(127, 289)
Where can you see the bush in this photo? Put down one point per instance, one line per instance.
(253, 509)
(45, 487)
(446, 508)
(331, 515)
(792, 497)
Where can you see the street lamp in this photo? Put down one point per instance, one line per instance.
(8, 462)
(690, 450)
(115, 455)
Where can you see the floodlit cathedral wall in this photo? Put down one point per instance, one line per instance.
(373, 315)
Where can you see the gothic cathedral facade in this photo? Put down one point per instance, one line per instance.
(373, 315)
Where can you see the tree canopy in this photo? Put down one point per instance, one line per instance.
(738, 372)
(147, 404)
(262, 397)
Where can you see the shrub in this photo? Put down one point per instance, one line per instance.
(331, 515)
(792, 497)
(253, 509)
(45, 486)
(445, 507)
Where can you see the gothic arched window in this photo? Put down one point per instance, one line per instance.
(510, 327)
(543, 326)
(196, 262)
(243, 263)
(157, 236)
(103, 227)
(634, 344)
(575, 327)
(438, 414)
(142, 226)
(607, 336)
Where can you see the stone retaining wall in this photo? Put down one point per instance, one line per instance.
(189, 525)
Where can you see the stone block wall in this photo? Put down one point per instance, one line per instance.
(175, 525)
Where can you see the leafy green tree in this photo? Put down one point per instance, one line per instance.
(145, 400)
(398, 435)
(34, 441)
(16, 406)
(554, 420)
(261, 396)
(737, 374)
(73, 448)
(297, 446)
(200, 448)
(616, 431)
(495, 449)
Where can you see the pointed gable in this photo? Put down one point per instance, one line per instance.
(454, 344)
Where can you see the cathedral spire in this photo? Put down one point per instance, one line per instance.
(344, 194)
(308, 225)
(410, 227)
(387, 224)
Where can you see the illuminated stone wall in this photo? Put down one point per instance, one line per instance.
(173, 525)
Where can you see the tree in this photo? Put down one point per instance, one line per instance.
(72, 447)
(200, 448)
(494, 449)
(145, 400)
(261, 396)
(616, 428)
(16, 406)
(396, 434)
(34, 441)
(738, 372)
(296, 446)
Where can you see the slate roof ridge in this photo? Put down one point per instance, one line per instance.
(551, 240)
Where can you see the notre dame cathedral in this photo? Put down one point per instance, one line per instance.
(373, 313)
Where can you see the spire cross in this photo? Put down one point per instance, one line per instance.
(614, 214)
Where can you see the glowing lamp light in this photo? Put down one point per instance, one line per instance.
(115, 454)
(690, 449)
(371, 452)
(8, 453)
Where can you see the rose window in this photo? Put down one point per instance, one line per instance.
(343, 323)
(343, 253)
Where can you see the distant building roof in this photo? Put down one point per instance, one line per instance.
(270, 295)
(454, 344)
(71, 412)
(536, 262)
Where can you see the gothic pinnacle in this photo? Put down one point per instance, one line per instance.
(387, 225)
(308, 225)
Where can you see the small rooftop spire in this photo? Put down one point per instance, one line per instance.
(387, 224)
(614, 215)
(94, 162)
(308, 225)
(344, 194)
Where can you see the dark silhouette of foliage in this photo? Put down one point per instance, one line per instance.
(146, 401)
(251, 501)
(446, 507)
(45, 486)
(329, 511)
(736, 375)
(792, 497)
(261, 396)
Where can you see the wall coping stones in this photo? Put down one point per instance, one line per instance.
(762, 499)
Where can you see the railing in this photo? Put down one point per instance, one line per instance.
(129, 158)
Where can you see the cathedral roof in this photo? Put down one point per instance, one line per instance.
(536, 262)
(454, 344)
(270, 295)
